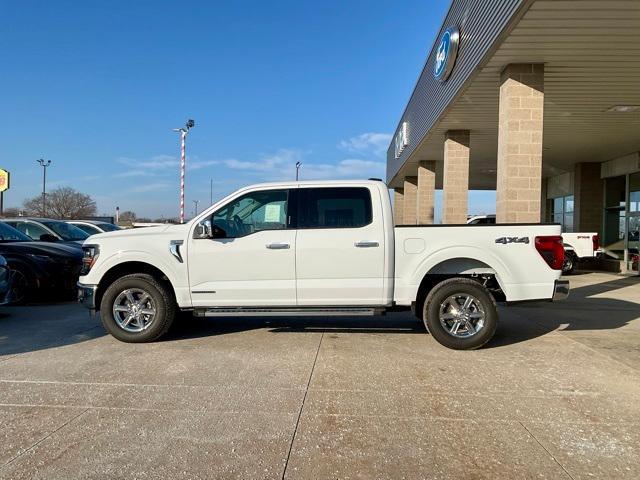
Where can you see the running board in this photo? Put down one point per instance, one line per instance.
(289, 312)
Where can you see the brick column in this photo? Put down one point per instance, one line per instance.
(520, 120)
(455, 178)
(398, 204)
(410, 206)
(588, 198)
(426, 192)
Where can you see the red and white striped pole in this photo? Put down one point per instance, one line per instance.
(183, 162)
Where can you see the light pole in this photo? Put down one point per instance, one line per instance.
(211, 191)
(183, 160)
(196, 202)
(298, 165)
(44, 164)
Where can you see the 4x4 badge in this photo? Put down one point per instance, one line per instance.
(506, 240)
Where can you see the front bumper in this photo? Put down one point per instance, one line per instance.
(560, 290)
(87, 295)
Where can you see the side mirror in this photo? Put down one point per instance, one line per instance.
(47, 237)
(203, 230)
(217, 232)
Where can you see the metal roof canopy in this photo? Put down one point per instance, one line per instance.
(591, 52)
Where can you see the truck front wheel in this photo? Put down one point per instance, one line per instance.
(461, 314)
(137, 308)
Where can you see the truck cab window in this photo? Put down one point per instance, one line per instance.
(253, 212)
(335, 207)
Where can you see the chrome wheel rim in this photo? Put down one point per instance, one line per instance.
(134, 310)
(462, 315)
(568, 262)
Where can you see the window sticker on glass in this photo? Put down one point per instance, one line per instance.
(272, 213)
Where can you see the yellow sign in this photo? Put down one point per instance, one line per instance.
(4, 180)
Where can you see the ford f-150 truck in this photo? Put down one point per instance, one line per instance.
(318, 248)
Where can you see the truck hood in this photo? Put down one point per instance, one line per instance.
(139, 232)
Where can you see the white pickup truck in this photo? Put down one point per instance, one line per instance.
(318, 248)
(579, 246)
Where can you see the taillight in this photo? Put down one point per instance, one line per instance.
(551, 250)
(596, 242)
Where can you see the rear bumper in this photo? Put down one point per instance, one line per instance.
(87, 295)
(560, 290)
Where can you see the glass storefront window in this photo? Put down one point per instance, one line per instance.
(614, 217)
(634, 202)
(562, 212)
(633, 238)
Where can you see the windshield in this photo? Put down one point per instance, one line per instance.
(10, 234)
(108, 227)
(66, 231)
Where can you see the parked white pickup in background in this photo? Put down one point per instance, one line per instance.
(579, 246)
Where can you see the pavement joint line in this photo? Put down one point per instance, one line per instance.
(319, 389)
(546, 450)
(44, 438)
(144, 385)
(139, 409)
(319, 414)
(295, 430)
(430, 393)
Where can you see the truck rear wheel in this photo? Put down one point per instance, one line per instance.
(461, 314)
(569, 263)
(137, 308)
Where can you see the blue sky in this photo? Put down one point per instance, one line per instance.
(97, 87)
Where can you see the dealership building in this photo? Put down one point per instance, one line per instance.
(538, 100)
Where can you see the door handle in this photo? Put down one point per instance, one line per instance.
(366, 244)
(278, 246)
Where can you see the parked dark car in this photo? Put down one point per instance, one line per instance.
(5, 281)
(39, 269)
(48, 230)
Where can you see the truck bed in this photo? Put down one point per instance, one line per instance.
(507, 251)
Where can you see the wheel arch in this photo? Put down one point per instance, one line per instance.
(462, 266)
(127, 268)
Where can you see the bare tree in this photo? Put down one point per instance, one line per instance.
(63, 203)
(12, 212)
(128, 217)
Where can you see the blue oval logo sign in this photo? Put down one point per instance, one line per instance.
(446, 54)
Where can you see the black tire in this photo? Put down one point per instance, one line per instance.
(22, 285)
(163, 303)
(569, 263)
(438, 297)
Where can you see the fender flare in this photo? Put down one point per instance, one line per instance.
(450, 253)
(138, 256)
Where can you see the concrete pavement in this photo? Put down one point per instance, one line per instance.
(555, 395)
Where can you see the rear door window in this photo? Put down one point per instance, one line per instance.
(334, 207)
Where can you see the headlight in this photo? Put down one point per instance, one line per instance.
(89, 257)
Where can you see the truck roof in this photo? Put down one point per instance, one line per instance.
(294, 183)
